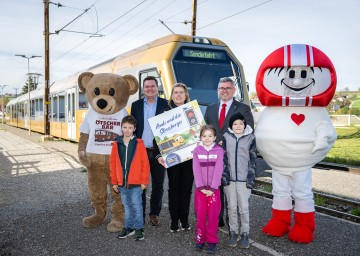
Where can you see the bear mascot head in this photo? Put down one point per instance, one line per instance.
(107, 95)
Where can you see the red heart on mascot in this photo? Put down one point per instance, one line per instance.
(298, 119)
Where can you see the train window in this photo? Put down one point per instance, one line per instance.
(54, 108)
(83, 103)
(22, 107)
(68, 107)
(73, 106)
(61, 107)
(32, 108)
(41, 104)
(201, 69)
(151, 72)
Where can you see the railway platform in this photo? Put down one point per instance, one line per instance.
(43, 198)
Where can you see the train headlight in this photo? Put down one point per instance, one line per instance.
(201, 40)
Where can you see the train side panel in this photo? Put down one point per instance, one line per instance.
(59, 130)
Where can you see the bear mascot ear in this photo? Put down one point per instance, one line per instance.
(133, 83)
(84, 79)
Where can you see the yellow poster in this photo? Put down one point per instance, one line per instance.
(177, 132)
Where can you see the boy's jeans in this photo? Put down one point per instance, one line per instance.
(132, 201)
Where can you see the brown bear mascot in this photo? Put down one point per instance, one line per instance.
(107, 95)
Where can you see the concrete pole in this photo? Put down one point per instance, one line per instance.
(28, 102)
(2, 104)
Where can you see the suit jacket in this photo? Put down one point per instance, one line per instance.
(212, 116)
(137, 111)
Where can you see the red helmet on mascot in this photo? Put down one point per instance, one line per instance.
(296, 75)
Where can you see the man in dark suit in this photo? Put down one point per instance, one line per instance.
(142, 110)
(218, 115)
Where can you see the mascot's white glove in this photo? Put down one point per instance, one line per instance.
(325, 137)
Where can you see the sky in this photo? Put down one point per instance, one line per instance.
(251, 28)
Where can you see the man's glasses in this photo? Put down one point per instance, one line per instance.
(225, 89)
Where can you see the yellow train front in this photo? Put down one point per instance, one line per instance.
(196, 61)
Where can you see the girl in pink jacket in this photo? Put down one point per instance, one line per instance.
(208, 167)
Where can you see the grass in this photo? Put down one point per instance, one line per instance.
(356, 211)
(346, 149)
(265, 187)
(356, 104)
(319, 200)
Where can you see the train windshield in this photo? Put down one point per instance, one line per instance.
(201, 69)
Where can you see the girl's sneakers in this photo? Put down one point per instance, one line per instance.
(211, 249)
(199, 247)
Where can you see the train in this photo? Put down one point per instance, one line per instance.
(198, 62)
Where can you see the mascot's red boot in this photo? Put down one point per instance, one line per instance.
(304, 227)
(279, 224)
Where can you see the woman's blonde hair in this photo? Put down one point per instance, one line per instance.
(187, 99)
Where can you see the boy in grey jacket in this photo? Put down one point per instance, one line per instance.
(239, 176)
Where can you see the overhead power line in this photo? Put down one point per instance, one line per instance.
(122, 16)
(85, 11)
(228, 17)
(97, 32)
(70, 7)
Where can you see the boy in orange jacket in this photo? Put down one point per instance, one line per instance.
(129, 173)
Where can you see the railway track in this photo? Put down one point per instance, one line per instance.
(338, 167)
(332, 166)
(327, 204)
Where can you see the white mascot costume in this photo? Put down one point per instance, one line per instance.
(294, 132)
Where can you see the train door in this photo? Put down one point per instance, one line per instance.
(70, 113)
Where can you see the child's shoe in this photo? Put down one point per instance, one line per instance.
(211, 249)
(199, 247)
(125, 232)
(139, 234)
(233, 239)
(244, 241)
